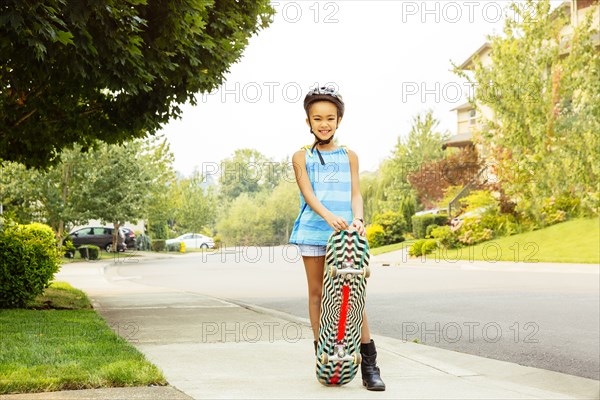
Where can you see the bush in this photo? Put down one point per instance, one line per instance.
(143, 242)
(445, 237)
(375, 235)
(29, 258)
(422, 247)
(393, 225)
(415, 249)
(421, 222)
(174, 246)
(559, 209)
(429, 246)
(473, 231)
(89, 252)
(69, 249)
(218, 241)
(429, 229)
(480, 199)
(502, 225)
(159, 245)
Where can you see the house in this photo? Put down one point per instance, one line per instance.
(470, 117)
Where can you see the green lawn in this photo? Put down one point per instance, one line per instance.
(575, 241)
(392, 247)
(44, 349)
(103, 256)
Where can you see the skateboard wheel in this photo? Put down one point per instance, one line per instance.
(324, 358)
(333, 271)
(367, 272)
(357, 359)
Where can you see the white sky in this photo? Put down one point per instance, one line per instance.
(379, 53)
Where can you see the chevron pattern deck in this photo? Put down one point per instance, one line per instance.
(344, 249)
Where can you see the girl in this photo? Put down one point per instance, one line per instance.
(330, 201)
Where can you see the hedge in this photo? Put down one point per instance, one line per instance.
(421, 222)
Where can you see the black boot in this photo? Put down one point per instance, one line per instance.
(369, 369)
(315, 342)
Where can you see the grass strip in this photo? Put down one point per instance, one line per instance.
(392, 247)
(69, 348)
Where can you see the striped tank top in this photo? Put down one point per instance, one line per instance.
(332, 185)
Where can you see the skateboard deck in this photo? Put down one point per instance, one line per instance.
(342, 306)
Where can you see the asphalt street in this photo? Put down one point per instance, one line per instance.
(532, 315)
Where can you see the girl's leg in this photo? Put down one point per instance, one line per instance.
(370, 371)
(314, 275)
(365, 334)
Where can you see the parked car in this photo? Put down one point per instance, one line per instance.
(193, 241)
(98, 236)
(130, 239)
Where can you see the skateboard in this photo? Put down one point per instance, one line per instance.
(342, 305)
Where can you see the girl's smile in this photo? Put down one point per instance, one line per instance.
(323, 120)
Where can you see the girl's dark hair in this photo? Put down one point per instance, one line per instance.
(336, 100)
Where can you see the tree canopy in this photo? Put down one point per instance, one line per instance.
(78, 71)
(543, 88)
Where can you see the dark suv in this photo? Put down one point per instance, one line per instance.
(130, 240)
(99, 236)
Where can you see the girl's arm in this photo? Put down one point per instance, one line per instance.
(299, 164)
(357, 200)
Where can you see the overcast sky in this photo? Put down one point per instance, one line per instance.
(389, 59)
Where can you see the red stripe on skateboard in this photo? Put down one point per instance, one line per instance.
(343, 313)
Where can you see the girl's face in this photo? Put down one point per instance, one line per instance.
(322, 119)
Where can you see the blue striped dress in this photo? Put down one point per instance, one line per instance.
(332, 185)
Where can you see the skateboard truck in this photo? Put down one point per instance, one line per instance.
(340, 355)
(348, 270)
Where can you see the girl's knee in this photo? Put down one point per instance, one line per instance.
(314, 296)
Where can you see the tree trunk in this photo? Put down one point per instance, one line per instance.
(116, 226)
(64, 194)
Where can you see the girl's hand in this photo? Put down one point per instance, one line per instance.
(337, 223)
(359, 227)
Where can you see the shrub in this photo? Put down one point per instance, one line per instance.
(415, 249)
(473, 231)
(69, 249)
(89, 252)
(393, 225)
(559, 209)
(143, 242)
(428, 246)
(29, 258)
(505, 225)
(422, 247)
(159, 245)
(445, 237)
(375, 235)
(174, 246)
(429, 229)
(421, 222)
(480, 199)
(218, 241)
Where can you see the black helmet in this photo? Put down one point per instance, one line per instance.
(325, 94)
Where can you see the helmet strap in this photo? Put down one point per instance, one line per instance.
(319, 141)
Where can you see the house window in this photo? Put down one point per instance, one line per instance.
(472, 117)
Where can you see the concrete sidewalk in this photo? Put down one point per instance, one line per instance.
(218, 348)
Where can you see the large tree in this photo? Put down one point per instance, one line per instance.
(248, 171)
(77, 71)
(543, 87)
(422, 145)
